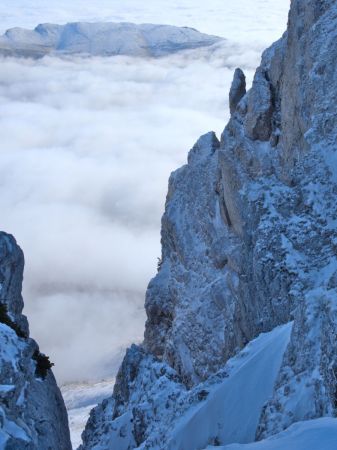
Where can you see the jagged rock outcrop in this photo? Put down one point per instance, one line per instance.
(103, 39)
(249, 242)
(238, 90)
(32, 411)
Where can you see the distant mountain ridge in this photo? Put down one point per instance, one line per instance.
(103, 39)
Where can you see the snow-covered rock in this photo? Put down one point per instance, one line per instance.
(319, 434)
(104, 39)
(248, 243)
(32, 411)
(154, 410)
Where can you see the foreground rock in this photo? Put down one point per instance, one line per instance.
(248, 243)
(102, 39)
(32, 412)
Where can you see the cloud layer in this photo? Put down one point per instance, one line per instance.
(87, 146)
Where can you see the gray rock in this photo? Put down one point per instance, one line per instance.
(11, 270)
(32, 411)
(238, 90)
(249, 237)
(260, 108)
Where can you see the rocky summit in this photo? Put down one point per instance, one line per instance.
(32, 411)
(240, 338)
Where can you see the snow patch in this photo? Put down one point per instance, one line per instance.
(231, 410)
(320, 434)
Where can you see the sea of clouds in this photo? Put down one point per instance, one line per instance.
(87, 145)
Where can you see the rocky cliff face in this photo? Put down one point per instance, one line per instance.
(32, 412)
(248, 243)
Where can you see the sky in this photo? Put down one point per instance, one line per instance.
(87, 146)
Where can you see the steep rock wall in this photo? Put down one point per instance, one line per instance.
(32, 411)
(249, 235)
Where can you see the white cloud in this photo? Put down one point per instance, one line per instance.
(87, 146)
(92, 331)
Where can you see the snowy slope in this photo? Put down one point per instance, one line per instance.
(104, 39)
(233, 408)
(224, 409)
(319, 434)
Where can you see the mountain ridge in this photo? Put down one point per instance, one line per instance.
(248, 244)
(103, 39)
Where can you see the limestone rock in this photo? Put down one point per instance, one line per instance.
(32, 411)
(249, 239)
(238, 90)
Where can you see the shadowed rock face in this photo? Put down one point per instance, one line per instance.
(33, 415)
(11, 276)
(102, 39)
(249, 240)
(238, 90)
